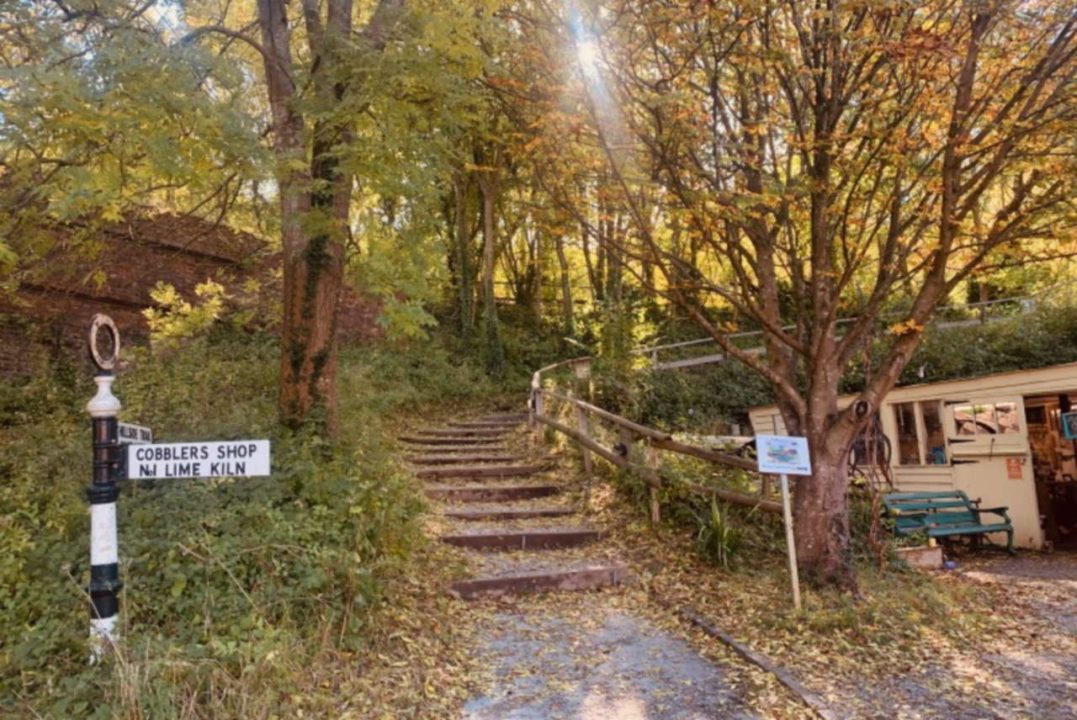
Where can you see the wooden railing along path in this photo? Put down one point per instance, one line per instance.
(629, 434)
(661, 357)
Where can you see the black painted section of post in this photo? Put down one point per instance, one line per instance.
(105, 583)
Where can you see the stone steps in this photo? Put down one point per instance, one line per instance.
(481, 457)
(486, 424)
(456, 441)
(489, 493)
(531, 539)
(533, 550)
(506, 513)
(555, 579)
(462, 432)
(477, 471)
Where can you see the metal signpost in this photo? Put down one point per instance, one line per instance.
(144, 460)
(784, 455)
(105, 581)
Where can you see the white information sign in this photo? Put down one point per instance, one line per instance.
(232, 458)
(130, 434)
(783, 455)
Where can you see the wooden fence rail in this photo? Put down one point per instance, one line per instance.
(629, 432)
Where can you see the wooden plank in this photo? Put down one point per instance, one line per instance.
(475, 457)
(690, 362)
(480, 448)
(731, 496)
(654, 479)
(465, 471)
(517, 416)
(489, 493)
(704, 454)
(463, 432)
(615, 419)
(533, 539)
(815, 703)
(599, 450)
(457, 441)
(480, 424)
(575, 579)
(506, 513)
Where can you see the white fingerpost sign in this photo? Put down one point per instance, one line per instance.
(784, 455)
(232, 458)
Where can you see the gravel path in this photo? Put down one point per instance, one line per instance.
(598, 664)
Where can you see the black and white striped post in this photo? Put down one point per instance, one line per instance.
(105, 581)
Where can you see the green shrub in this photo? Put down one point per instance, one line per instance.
(232, 586)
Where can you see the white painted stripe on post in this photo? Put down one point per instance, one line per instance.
(102, 637)
(103, 628)
(103, 546)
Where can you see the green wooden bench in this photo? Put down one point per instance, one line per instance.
(944, 514)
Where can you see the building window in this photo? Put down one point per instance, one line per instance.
(921, 437)
(908, 437)
(934, 434)
(987, 419)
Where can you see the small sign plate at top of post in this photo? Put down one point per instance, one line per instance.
(130, 434)
(784, 455)
(232, 458)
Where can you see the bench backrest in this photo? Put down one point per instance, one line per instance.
(910, 510)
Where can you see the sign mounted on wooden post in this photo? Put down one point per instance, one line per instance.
(232, 458)
(784, 455)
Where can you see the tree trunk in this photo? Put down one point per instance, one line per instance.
(495, 353)
(567, 319)
(536, 277)
(465, 272)
(315, 196)
(820, 507)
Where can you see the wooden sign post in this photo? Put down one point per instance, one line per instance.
(784, 456)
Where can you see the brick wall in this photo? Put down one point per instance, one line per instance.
(51, 312)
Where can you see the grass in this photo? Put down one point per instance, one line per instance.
(301, 593)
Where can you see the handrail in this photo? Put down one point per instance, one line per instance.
(615, 419)
(657, 440)
(653, 349)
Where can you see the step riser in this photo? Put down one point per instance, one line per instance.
(476, 471)
(491, 425)
(464, 433)
(504, 417)
(461, 442)
(491, 494)
(452, 459)
(570, 580)
(507, 514)
(532, 540)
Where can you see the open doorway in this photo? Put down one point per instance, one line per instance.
(1054, 462)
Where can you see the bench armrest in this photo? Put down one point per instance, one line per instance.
(1000, 511)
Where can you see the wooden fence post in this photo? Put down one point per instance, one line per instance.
(583, 426)
(652, 465)
(536, 431)
(582, 368)
(532, 410)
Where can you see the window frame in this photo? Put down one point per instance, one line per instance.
(921, 433)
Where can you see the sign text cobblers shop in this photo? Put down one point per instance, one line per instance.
(238, 458)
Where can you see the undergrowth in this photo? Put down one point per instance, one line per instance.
(234, 588)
